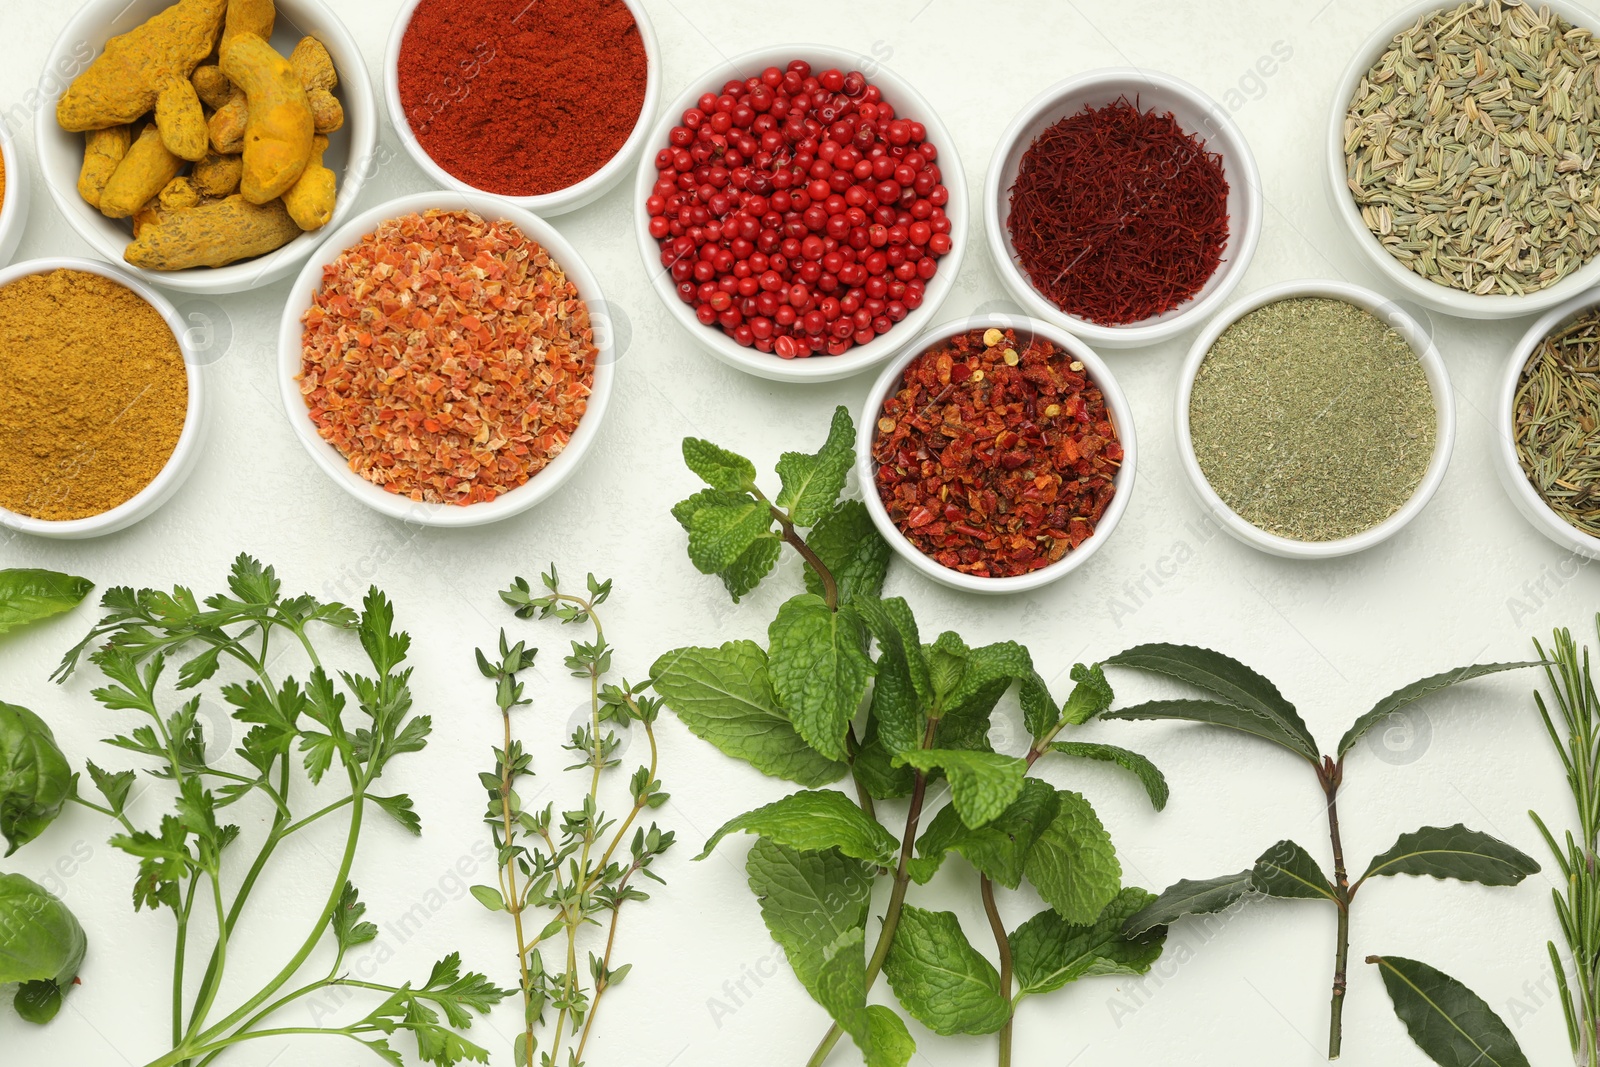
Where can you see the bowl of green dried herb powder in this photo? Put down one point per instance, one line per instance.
(1548, 417)
(1315, 419)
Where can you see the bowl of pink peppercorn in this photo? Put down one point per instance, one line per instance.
(804, 212)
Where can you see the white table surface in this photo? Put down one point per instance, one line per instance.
(1470, 580)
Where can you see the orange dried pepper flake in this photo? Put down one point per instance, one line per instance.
(447, 358)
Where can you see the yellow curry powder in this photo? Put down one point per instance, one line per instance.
(93, 395)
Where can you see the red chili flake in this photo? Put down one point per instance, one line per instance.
(996, 457)
(447, 358)
(1118, 214)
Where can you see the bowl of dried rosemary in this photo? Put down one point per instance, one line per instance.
(1548, 417)
(1461, 149)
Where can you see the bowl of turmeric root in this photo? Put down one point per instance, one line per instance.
(208, 145)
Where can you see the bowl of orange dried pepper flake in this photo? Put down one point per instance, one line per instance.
(446, 359)
(997, 455)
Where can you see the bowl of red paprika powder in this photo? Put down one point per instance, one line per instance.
(545, 104)
(1123, 205)
(802, 212)
(997, 454)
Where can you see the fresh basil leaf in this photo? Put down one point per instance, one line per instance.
(35, 779)
(1186, 897)
(941, 979)
(1448, 1021)
(38, 1002)
(40, 941)
(27, 596)
(1073, 865)
(1091, 695)
(812, 483)
(814, 820)
(724, 696)
(819, 669)
(1231, 682)
(849, 545)
(1454, 852)
(1048, 952)
(1416, 691)
(1214, 713)
(982, 784)
(721, 533)
(1149, 775)
(1000, 849)
(717, 467)
(1286, 870)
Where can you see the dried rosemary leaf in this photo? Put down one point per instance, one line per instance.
(1556, 412)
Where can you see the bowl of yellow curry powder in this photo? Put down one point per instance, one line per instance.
(100, 399)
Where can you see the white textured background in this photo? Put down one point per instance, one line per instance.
(1468, 580)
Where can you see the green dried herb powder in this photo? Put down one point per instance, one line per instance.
(1312, 419)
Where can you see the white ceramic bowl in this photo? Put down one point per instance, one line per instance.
(328, 458)
(1433, 295)
(908, 104)
(561, 201)
(14, 208)
(190, 441)
(1199, 115)
(1117, 407)
(1517, 486)
(1438, 384)
(350, 150)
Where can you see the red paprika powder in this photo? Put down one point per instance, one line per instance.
(522, 98)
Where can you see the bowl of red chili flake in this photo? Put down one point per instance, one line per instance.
(445, 358)
(1123, 205)
(1000, 452)
(803, 213)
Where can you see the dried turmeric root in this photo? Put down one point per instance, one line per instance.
(212, 235)
(212, 86)
(277, 136)
(140, 177)
(102, 151)
(180, 193)
(218, 175)
(249, 16)
(314, 66)
(181, 121)
(141, 66)
(310, 202)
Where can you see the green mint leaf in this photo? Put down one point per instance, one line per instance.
(850, 546)
(1048, 952)
(841, 987)
(809, 900)
(35, 778)
(819, 669)
(812, 483)
(814, 820)
(746, 572)
(947, 662)
(901, 690)
(1149, 775)
(941, 979)
(40, 939)
(1229, 681)
(1416, 691)
(875, 771)
(1039, 712)
(892, 1045)
(1091, 696)
(1214, 713)
(400, 809)
(1288, 871)
(982, 784)
(1073, 864)
(721, 533)
(1186, 897)
(1000, 849)
(724, 696)
(27, 596)
(684, 510)
(1448, 1021)
(990, 671)
(1454, 852)
(717, 467)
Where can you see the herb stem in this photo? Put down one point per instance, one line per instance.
(1004, 944)
(601, 984)
(513, 899)
(830, 586)
(314, 816)
(1331, 775)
